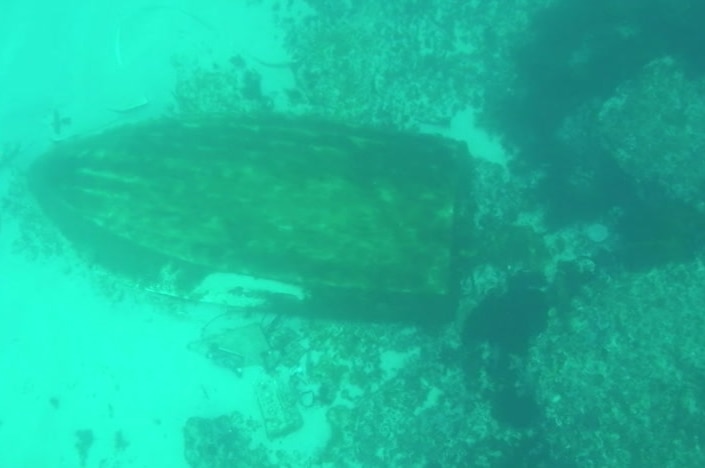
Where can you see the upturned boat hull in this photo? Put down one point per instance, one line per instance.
(343, 221)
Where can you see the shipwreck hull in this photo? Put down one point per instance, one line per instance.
(332, 219)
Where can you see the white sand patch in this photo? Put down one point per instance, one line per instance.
(480, 143)
(391, 361)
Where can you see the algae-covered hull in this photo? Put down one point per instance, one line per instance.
(347, 221)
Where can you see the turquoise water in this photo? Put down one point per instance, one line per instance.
(577, 264)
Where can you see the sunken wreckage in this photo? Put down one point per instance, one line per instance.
(309, 216)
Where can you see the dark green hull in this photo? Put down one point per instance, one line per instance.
(362, 221)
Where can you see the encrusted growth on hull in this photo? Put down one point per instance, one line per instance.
(366, 213)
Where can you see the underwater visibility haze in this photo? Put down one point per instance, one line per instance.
(352, 234)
